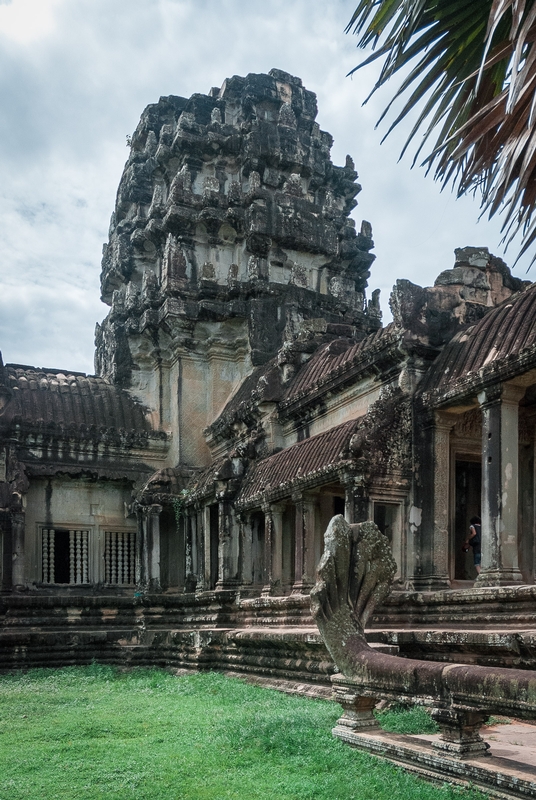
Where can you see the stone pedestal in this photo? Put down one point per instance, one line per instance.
(358, 709)
(460, 736)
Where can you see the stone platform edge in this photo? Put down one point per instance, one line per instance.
(498, 777)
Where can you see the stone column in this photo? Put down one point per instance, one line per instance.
(356, 503)
(305, 543)
(500, 454)
(274, 549)
(18, 568)
(140, 568)
(228, 550)
(148, 548)
(429, 513)
(199, 562)
(189, 523)
(153, 547)
(440, 538)
(299, 544)
(206, 547)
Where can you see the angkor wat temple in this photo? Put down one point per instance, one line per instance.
(171, 509)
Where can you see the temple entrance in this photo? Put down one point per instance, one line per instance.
(467, 505)
(387, 516)
(258, 572)
(289, 548)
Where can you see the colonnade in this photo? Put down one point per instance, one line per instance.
(499, 407)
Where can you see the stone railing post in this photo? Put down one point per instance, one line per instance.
(357, 708)
(460, 735)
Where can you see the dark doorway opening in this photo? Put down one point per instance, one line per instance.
(338, 506)
(172, 549)
(289, 547)
(468, 491)
(258, 577)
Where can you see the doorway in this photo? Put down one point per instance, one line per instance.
(467, 505)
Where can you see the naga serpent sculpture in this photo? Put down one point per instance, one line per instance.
(354, 575)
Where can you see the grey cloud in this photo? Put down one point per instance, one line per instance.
(69, 99)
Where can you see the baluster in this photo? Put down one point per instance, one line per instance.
(45, 556)
(78, 561)
(72, 558)
(79, 535)
(51, 550)
(85, 557)
(108, 558)
(112, 557)
(117, 557)
(132, 572)
(120, 557)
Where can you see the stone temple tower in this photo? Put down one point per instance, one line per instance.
(231, 229)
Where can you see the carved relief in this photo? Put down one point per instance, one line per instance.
(526, 428)
(382, 443)
(469, 425)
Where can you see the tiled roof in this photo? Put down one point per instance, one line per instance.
(504, 333)
(54, 398)
(262, 384)
(334, 359)
(202, 483)
(301, 462)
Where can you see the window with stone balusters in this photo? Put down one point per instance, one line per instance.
(65, 556)
(120, 557)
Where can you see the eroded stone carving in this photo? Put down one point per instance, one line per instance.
(354, 575)
(216, 188)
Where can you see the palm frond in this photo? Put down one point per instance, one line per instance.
(472, 74)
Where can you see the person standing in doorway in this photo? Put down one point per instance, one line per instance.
(474, 540)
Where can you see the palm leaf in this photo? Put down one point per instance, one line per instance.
(474, 83)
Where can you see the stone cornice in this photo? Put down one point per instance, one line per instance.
(467, 388)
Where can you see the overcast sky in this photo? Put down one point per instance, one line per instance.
(75, 76)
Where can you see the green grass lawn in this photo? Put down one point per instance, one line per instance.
(88, 733)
